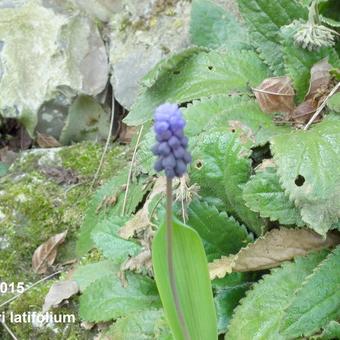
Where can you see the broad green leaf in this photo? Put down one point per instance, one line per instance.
(307, 164)
(330, 332)
(199, 75)
(207, 169)
(237, 171)
(145, 325)
(107, 299)
(100, 208)
(170, 63)
(333, 103)
(113, 247)
(227, 295)
(221, 234)
(87, 274)
(309, 311)
(212, 26)
(260, 312)
(264, 194)
(192, 279)
(298, 63)
(224, 110)
(265, 18)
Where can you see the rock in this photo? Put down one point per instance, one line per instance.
(143, 34)
(100, 9)
(47, 53)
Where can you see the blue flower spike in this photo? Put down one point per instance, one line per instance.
(171, 146)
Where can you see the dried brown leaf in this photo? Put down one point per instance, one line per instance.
(139, 263)
(271, 250)
(44, 256)
(245, 132)
(61, 175)
(58, 292)
(126, 133)
(304, 111)
(141, 220)
(275, 94)
(46, 141)
(320, 78)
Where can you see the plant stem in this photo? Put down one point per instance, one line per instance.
(170, 258)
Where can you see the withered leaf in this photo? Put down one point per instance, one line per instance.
(46, 141)
(271, 250)
(245, 132)
(46, 253)
(139, 262)
(58, 292)
(320, 78)
(303, 112)
(275, 94)
(141, 220)
(126, 133)
(61, 175)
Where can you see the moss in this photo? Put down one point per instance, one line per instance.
(34, 208)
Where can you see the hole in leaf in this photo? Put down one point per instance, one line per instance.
(233, 130)
(199, 164)
(177, 72)
(299, 180)
(210, 68)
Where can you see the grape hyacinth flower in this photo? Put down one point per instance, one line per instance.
(173, 158)
(171, 147)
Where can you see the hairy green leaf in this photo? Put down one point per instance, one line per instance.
(107, 299)
(237, 171)
(193, 283)
(308, 163)
(330, 332)
(221, 234)
(146, 325)
(113, 247)
(108, 201)
(207, 169)
(333, 103)
(224, 110)
(262, 309)
(265, 18)
(264, 194)
(87, 274)
(298, 63)
(228, 293)
(199, 75)
(212, 26)
(309, 311)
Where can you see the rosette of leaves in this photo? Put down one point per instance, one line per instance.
(254, 175)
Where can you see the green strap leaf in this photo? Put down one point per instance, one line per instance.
(261, 310)
(107, 299)
(193, 283)
(307, 164)
(212, 26)
(221, 234)
(265, 18)
(317, 302)
(197, 76)
(264, 194)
